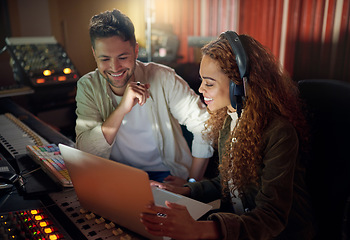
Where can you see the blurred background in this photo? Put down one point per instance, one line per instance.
(309, 37)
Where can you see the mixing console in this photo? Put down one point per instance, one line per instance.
(15, 135)
(91, 226)
(45, 212)
(33, 224)
(41, 60)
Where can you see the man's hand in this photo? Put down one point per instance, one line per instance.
(135, 92)
(175, 181)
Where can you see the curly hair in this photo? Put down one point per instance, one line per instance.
(270, 92)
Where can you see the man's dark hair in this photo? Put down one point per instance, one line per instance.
(112, 23)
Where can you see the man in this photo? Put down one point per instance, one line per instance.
(130, 111)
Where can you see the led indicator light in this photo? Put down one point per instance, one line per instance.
(47, 72)
(62, 78)
(67, 70)
(40, 81)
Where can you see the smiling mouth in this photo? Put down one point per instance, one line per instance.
(207, 100)
(116, 74)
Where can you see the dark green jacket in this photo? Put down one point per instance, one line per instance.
(279, 207)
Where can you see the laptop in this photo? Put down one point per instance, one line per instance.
(119, 192)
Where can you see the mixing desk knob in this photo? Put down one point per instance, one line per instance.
(110, 225)
(99, 220)
(83, 211)
(90, 216)
(117, 231)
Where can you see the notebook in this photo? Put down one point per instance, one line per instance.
(119, 192)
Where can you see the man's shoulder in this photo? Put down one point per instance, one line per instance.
(90, 75)
(156, 74)
(154, 67)
(89, 78)
(91, 82)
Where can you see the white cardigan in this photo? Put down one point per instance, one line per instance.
(173, 102)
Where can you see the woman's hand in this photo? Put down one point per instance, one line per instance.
(174, 221)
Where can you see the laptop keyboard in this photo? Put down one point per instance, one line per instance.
(51, 161)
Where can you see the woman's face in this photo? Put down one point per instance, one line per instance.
(215, 85)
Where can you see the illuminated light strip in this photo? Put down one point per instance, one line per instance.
(230, 13)
(284, 32)
(226, 7)
(324, 27)
(336, 33)
(214, 17)
(220, 16)
(235, 21)
(196, 14)
(204, 17)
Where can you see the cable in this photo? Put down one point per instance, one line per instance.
(34, 170)
(3, 49)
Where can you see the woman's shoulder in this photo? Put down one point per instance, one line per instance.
(279, 127)
(279, 122)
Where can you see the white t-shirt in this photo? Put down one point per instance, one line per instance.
(135, 144)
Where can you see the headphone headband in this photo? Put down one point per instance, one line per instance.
(238, 50)
(237, 92)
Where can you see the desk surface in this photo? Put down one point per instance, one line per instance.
(37, 185)
(43, 193)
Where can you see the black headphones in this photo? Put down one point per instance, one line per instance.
(238, 92)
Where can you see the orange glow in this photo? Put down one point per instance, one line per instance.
(43, 224)
(39, 217)
(53, 237)
(62, 78)
(48, 230)
(34, 212)
(47, 72)
(67, 70)
(40, 80)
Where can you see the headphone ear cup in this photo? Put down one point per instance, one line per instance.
(232, 94)
(236, 97)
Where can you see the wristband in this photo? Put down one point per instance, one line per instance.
(191, 180)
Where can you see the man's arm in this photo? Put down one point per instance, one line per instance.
(198, 168)
(133, 94)
(112, 124)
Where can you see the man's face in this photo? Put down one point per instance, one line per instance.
(116, 61)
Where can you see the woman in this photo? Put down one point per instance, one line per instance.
(261, 181)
